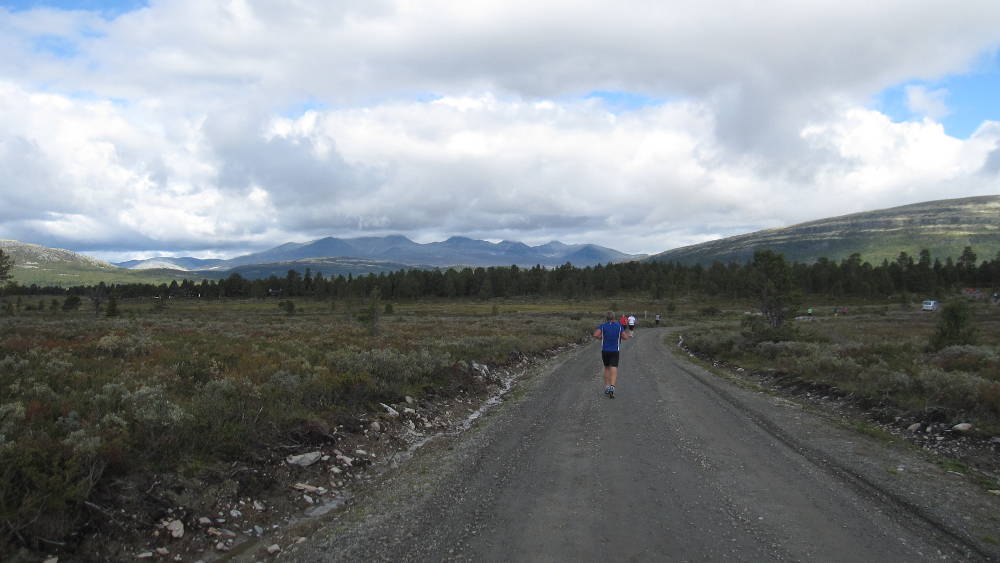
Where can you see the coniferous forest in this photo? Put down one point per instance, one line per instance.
(922, 274)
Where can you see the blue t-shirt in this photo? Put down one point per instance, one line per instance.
(612, 332)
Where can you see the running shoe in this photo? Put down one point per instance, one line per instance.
(611, 391)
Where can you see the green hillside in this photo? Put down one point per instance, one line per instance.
(39, 265)
(43, 266)
(943, 227)
(68, 275)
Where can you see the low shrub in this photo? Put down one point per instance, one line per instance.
(716, 343)
(951, 391)
(124, 344)
(968, 358)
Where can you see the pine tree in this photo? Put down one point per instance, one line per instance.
(6, 263)
(771, 280)
(112, 310)
(955, 326)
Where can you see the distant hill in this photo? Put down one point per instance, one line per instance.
(34, 256)
(34, 264)
(403, 251)
(43, 266)
(944, 227)
(166, 262)
(40, 265)
(329, 267)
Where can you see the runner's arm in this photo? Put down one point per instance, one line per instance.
(598, 333)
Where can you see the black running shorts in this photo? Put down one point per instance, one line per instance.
(610, 359)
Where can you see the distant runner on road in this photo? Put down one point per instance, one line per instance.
(611, 333)
(631, 322)
(623, 320)
(658, 319)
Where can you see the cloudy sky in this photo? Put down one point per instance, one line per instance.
(212, 127)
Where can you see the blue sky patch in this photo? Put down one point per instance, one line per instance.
(107, 8)
(971, 98)
(296, 111)
(620, 102)
(62, 47)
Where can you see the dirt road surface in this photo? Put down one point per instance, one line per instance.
(681, 466)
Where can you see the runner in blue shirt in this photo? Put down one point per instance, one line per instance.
(611, 333)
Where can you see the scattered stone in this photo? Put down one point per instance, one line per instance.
(915, 427)
(304, 460)
(360, 452)
(273, 548)
(392, 412)
(162, 551)
(176, 528)
(994, 492)
(336, 470)
(145, 555)
(376, 427)
(213, 532)
(410, 400)
(408, 410)
(308, 499)
(962, 427)
(307, 488)
(228, 533)
(235, 513)
(258, 530)
(204, 521)
(300, 539)
(995, 440)
(221, 546)
(258, 506)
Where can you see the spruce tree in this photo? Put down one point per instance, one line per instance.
(112, 310)
(6, 263)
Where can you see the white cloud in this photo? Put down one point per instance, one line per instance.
(164, 129)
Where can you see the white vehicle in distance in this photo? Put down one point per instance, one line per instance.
(930, 305)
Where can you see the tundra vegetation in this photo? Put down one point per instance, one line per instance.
(941, 367)
(183, 377)
(172, 388)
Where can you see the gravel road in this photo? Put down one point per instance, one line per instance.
(680, 466)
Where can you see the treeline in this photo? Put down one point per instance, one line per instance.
(920, 274)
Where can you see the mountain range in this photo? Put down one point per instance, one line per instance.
(34, 264)
(944, 227)
(399, 249)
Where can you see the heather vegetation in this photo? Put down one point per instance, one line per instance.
(939, 366)
(157, 388)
